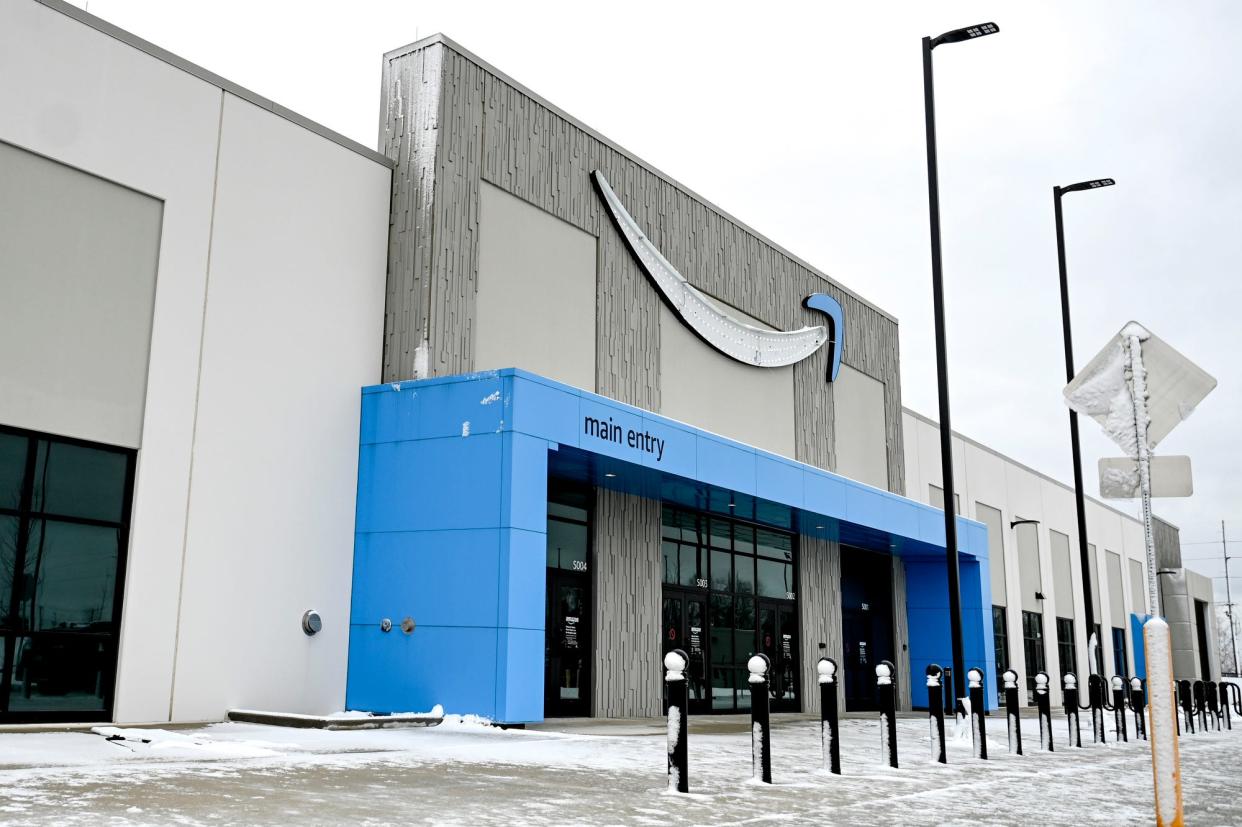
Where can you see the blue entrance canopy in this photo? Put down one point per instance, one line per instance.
(452, 520)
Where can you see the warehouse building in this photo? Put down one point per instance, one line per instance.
(491, 418)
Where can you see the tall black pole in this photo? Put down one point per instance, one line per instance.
(942, 382)
(1084, 554)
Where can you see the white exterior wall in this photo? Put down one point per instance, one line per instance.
(293, 240)
(984, 476)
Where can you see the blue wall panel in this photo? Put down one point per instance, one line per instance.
(451, 531)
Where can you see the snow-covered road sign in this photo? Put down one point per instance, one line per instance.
(1175, 386)
(1120, 478)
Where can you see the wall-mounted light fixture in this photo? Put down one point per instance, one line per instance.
(1040, 596)
(1016, 523)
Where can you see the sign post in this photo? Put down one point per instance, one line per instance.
(1139, 388)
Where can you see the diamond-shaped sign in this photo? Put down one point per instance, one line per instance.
(1175, 386)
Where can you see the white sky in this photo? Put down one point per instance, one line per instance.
(806, 121)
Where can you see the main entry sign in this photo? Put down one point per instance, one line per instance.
(746, 343)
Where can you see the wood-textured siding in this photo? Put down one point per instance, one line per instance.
(819, 609)
(447, 132)
(901, 635)
(626, 680)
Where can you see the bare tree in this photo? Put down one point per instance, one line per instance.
(1225, 637)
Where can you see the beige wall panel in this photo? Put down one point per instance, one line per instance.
(991, 518)
(78, 256)
(1062, 574)
(535, 305)
(858, 409)
(702, 387)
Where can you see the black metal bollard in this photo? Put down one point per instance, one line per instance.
(978, 731)
(759, 667)
(1224, 704)
(827, 668)
(884, 672)
(675, 663)
(1096, 700)
(1200, 706)
(1071, 709)
(1188, 706)
(1010, 678)
(935, 714)
(1043, 703)
(1236, 693)
(1137, 704)
(1119, 708)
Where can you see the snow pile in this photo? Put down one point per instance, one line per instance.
(181, 745)
(1104, 395)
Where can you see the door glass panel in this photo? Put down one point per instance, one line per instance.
(76, 481)
(741, 681)
(722, 685)
(672, 624)
(786, 662)
(12, 469)
(571, 629)
(60, 672)
(744, 629)
(695, 637)
(70, 577)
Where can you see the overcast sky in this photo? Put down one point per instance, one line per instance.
(808, 124)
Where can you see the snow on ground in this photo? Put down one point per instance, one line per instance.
(464, 772)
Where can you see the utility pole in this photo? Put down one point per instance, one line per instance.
(1233, 633)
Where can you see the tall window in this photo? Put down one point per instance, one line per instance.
(1067, 653)
(1033, 644)
(64, 513)
(1119, 652)
(1000, 640)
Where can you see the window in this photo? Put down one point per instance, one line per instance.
(64, 512)
(1067, 652)
(935, 496)
(569, 527)
(1119, 652)
(1033, 644)
(1000, 639)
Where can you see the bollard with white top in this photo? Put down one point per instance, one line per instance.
(884, 671)
(1224, 704)
(1043, 703)
(1137, 704)
(827, 669)
(760, 718)
(935, 713)
(978, 731)
(1010, 679)
(1071, 709)
(1096, 701)
(675, 663)
(1119, 708)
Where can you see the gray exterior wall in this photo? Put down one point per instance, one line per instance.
(626, 679)
(450, 121)
(1168, 544)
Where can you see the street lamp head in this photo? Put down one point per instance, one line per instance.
(968, 33)
(1089, 185)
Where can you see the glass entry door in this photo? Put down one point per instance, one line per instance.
(685, 628)
(778, 639)
(568, 657)
(64, 527)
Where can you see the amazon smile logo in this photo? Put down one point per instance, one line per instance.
(736, 339)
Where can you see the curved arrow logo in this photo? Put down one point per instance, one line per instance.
(735, 339)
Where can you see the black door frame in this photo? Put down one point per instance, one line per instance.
(684, 595)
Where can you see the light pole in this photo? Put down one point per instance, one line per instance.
(1084, 555)
(942, 366)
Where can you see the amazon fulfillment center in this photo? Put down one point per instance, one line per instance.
(489, 419)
